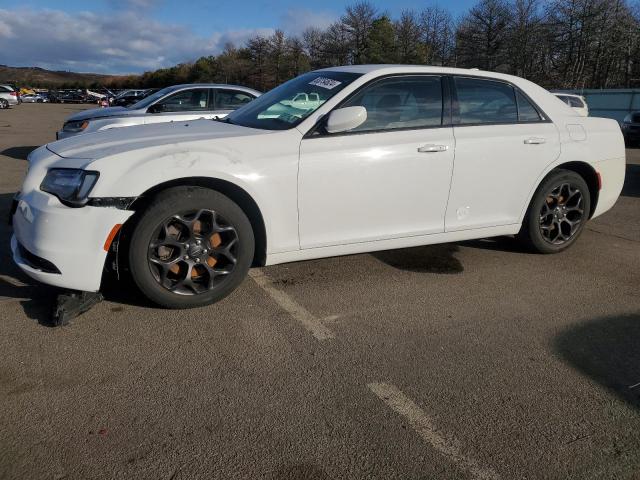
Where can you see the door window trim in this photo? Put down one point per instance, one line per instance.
(446, 116)
(455, 107)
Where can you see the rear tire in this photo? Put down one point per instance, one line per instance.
(4, 103)
(191, 247)
(557, 214)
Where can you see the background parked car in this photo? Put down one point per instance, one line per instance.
(70, 97)
(180, 102)
(577, 102)
(34, 98)
(129, 97)
(9, 95)
(631, 129)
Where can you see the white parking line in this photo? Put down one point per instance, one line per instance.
(12, 281)
(421, 423)
(297, 311)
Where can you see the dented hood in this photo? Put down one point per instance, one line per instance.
(93, 146)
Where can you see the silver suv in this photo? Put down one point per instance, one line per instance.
(8, 96)
(177, 103)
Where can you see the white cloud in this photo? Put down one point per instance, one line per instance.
(297, 20)
(123, 42)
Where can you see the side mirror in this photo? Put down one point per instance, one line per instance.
(345, 119)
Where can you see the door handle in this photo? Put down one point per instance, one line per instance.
(535, 141)
(433, 148)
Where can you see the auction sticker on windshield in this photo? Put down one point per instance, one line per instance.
(325, 82)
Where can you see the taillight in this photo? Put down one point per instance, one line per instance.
(13, 94)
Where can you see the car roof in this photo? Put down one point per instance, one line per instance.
(392, 69)
(213, 85)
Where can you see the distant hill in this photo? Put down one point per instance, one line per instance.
(39, 77)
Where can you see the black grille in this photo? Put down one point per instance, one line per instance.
(36, 262)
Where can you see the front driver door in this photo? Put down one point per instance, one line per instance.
(389, 177)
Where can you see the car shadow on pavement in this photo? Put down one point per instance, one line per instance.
(631, 186)
(19, 153)
(501, 244)
(606, 350)
(428, 259)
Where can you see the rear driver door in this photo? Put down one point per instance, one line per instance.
(504, 142)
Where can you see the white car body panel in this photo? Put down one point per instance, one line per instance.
(478, 194)
(356, 168)
(325, 196)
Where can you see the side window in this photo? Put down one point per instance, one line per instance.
(576, 102)
(485, 101)
(231, 99)
(400, 102)
(526, 111)
(185, 101)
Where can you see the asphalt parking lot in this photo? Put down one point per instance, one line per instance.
(474, 360)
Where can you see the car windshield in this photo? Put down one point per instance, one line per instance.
(145, 102)
(286, 106)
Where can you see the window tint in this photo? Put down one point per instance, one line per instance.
(185, 101)
(485, 101)
(400, 102)
(526, 111)
(231, 99)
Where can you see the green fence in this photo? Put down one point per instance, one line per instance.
(614, 103)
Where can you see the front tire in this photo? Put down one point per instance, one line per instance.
(191, 247)
(557, 214)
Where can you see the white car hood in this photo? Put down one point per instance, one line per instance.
(93, 146)
(102, 113)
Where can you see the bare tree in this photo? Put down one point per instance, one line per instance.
(482, 35)
(408, 33)
(438, 36)
(357, 22)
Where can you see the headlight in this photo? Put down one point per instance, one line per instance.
(77, 126)
(70, 185)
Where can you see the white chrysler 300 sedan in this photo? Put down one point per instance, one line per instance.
(334, 162)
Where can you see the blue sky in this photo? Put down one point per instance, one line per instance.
(131, 36)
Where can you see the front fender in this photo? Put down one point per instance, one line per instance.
(269, 177)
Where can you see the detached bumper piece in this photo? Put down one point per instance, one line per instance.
(72, 304)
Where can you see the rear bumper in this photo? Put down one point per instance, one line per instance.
(62, 246)
(612, 174)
